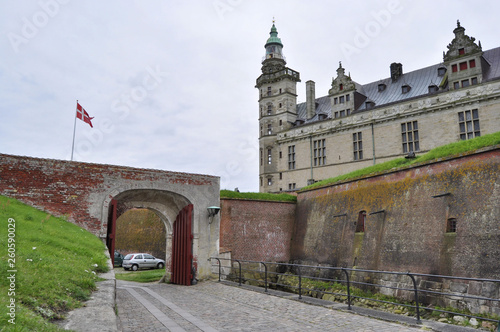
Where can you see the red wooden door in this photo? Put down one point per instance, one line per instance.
(182, 247)
(110, 239)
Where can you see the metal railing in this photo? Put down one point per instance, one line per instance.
(351, 280)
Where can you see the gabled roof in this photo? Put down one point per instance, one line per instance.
(418, 80)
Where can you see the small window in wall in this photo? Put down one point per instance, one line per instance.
(472, 63)
(261, 182)
(357, 145)
(269, 181)
(269, 129)
(360, 224)
(473, 81)
(410, 138)
(451, 225)
(281, 176)
(468, 122)
(269, 109)
(261, 157)
(291, 186)
(291, 157)
(269, 91)
(347, 97)
(341, 100)
(454, 68)
(456, 85)
(335, 100)
(465, 83)
(319, 152)
(341, 87)
(463, 65)
(269, 156)
(461, 51)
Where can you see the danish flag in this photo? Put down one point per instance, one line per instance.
(83, 115)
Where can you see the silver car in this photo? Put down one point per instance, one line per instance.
(141, 260)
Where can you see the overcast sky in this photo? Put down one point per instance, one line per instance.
(171, 84)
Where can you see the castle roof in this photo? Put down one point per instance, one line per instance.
(418, 82)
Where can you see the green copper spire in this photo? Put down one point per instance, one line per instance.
(274, 37)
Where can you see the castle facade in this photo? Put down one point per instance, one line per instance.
(357, 125)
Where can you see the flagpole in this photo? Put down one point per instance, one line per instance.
(74, 130)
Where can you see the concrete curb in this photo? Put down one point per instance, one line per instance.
(98, 314)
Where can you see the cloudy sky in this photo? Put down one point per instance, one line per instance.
(171, 84)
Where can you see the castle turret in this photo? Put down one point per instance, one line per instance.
(277, 108)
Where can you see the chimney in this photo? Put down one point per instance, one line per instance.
(396, 71)
(310, 99)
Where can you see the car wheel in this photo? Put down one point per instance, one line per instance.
(134, 267)
(160, 266)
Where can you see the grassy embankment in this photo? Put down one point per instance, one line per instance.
(434, 154)
(140, 276)
(48, 266)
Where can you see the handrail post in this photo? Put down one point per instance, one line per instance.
(300, 283)
(348, 289)
(265, 275)
(218, 261)
(239, 274)
(416, 297)
(239, 264)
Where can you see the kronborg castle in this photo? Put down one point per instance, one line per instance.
(357, 125)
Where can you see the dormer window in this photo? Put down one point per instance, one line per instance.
(461, 51)
(369, 105)
(441, 71)
(321, 116)
(381, 87)
(433, 88)
(405, 88)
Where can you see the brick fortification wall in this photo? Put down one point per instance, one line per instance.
(408, 232)
(256, 230)
(79, 190)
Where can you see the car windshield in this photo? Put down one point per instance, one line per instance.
(129, 256)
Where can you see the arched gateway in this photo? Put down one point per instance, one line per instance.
(94, 195)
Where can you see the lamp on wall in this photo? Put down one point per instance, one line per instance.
(213, 210)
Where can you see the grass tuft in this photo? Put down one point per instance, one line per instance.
(141, 276)
(258, 196)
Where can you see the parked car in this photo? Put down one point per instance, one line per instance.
(118, 259)
(141, 261)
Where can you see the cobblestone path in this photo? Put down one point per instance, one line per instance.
(211, 306)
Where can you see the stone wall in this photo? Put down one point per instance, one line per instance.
(406, 219)
(257, 230)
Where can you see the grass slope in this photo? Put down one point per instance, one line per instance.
(434, 154)
(55, 262)
(258, 196)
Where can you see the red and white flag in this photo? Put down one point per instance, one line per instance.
(83, 115)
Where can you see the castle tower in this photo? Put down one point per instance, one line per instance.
(277, 108)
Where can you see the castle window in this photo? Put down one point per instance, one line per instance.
(405, 88)
(461, 51)
(281, 176)
(291, 157)
(269, 181)
(451, 225)
(473, 81)
(342, 113)
(441, 71)
(281, 154)
(360, 224)
(433, 88)
(261, 184)
(454, 68)
(280, 105)
(348, 111)
(465, 83)
(281, 122)
(280, 92)
(347, 98)
(336, 114)
(410, 138)
(381, 87)
(472, 63)
(341, 100)
(468, 123)
(261, 130)
(291, 186)
(341, 87)
(269, 129)
(261, 157)
(335, 101)
(357, 146)
(463, 65)
(269, 91)
(269, 156)
(319, 152)
(269, 109)
(369, 105)
(456, 85)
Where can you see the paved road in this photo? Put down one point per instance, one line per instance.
(211, 306)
